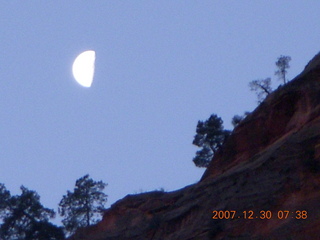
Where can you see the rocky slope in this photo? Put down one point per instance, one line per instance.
(270, 163)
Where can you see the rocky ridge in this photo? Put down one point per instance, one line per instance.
(271, 162)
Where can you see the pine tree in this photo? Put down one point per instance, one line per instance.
(283, 64)
(262, 88)
(210, 137)
(4, 201)
(84, 205)
(24, 217)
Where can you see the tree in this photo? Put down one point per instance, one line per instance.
(26, 218)
(210, 137)
(44, 230)
(238, 119)
(4, 200)
(262, 88)
(282, 64)
(84, 205)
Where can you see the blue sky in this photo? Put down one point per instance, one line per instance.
(160, 67)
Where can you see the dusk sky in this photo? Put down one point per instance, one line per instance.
(160, 67)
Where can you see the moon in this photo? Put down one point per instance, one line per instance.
(83, 68)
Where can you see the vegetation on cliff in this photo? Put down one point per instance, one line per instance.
(24, 217)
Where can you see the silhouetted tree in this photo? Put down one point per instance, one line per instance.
(4, 201)
(236, 120)
(210, 137)
(262, 88)
(26, 218)
(44, 230)
(282, 64)
(84, 205)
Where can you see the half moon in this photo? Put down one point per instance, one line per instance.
(83, 68)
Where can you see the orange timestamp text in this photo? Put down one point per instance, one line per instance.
(263, 214)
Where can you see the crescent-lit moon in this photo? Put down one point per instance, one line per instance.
(83, 68)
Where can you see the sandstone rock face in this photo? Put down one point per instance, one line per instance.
(263, 184)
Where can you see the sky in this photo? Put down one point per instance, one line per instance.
(160, 67)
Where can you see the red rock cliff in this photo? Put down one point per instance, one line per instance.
(270, 163)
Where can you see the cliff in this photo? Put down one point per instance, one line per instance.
(270, 163)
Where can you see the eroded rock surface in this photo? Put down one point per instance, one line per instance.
(271, 162)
